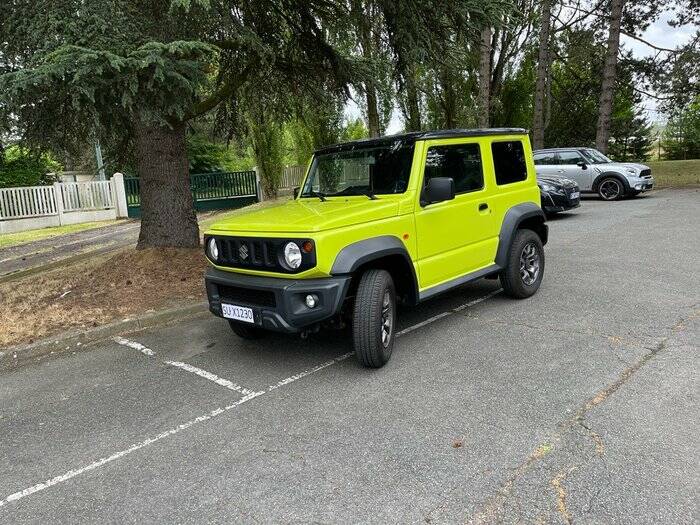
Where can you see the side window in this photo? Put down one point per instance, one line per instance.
(462, 162)
(545, 159)
(509, 161)
(570, 157)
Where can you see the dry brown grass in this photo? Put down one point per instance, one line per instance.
(99, 291)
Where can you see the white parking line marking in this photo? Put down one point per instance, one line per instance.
(214, 413)
(133, 344)
(137, 446)
(212, 377)
(449, 312)
(310, 371)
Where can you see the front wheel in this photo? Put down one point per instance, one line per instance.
(374, 318)
(611, 189)
(524, 269)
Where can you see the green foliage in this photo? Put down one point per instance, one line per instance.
(354, 130)
(681, 138)
(267, 139)
(206, 156)
(20, 167)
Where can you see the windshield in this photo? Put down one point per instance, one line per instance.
(362, 170)
(595, 157)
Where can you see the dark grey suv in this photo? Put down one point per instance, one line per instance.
(594, 172)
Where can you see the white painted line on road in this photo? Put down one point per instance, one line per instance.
(310, 371)
(448, 313)
(214, 413)
(137, 446)
(136, 346)
(212, 377)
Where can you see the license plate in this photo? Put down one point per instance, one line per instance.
(238, 313)
(575, 195)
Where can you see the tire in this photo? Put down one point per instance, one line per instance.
(246, 332)
(374, 318)
(520, 280)
(611, 189)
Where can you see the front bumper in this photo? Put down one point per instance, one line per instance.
(641, 184)
(555, 202)
(277, 303)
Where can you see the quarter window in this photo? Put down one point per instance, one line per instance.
(509, 162)
(545, 159)
(461, 162)
(569, 157)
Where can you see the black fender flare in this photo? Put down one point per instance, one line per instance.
(524, 212)
(359, 253)
(608, 174)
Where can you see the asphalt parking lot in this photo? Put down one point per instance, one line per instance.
(579, 405)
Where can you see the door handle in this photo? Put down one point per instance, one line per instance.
(483, 206)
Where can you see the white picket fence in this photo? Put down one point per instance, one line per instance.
(30, 201)
(95, 195)
(292, 177)
(33, 207)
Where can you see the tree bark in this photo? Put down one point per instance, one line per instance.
(484, 78)
(607, 89)
(413, 107)
(372, 111)
(365, 19)
(543, 65)
(168, 218)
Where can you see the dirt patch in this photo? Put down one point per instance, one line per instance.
(99, 291)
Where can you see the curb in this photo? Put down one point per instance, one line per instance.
(15, 355)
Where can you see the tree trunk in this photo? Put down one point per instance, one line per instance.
(365, 19)
(542, 75)
(449, 99)
(484, 78)
(167, 210)
(372, 111)
(607, 89)
(413, 107)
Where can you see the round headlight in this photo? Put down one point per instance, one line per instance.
(213, 249)
(292, 255)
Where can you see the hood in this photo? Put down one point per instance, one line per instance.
(639, 167)
(310, 215)
(559, 182)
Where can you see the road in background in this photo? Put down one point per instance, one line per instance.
(577, 405)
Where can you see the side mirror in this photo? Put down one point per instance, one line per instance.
(295, 192)
(438, 189)
(582, 165)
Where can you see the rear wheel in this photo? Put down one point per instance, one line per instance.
(611, 189)
(374, 318)
(245, 331)
(525, 265)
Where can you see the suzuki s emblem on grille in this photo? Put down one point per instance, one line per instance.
(243, 251)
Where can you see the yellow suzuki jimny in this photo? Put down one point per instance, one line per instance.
(379, 222)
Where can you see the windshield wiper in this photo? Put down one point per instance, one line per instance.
(318, 194)
(358, 190)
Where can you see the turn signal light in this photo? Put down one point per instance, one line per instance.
(307, 246)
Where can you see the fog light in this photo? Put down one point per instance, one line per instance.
(638, 187)
(311, 301)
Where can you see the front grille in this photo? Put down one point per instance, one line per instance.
(241, 252)
(247, 296)
(645, 173)
(264, 254)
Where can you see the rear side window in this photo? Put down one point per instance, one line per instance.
(461, 162)
(545, 159)
(509, 162)
(570, 157)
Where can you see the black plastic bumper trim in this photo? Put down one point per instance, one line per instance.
(290, 313)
